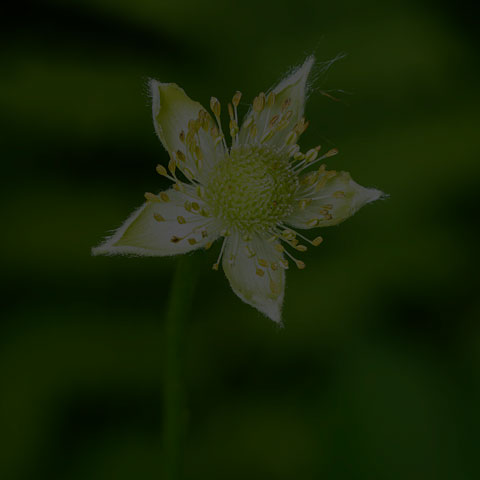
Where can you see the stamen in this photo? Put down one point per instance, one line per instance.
(158, 217)
(216, 109)
(217, 263)
(152, 197)
(259, 103)
(164, 197)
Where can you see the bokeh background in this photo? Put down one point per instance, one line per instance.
(376, 373)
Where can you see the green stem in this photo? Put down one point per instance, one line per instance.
(175, 408)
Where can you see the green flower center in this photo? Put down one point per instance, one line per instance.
(252, 189)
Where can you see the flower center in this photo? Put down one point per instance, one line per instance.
(252, 189)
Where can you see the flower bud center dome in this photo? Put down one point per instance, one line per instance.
(252, 189)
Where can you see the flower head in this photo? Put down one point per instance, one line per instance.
(255, 195)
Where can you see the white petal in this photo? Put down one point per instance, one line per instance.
(339, 198)
(293, 88)
(143, 234)
(172, 109)
(265, 292)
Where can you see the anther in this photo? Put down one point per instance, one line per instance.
(180, 156)
(161, 170)
(181, 220)
(262, 262)
(317, 241)
(236, 98)
(192, 241)
(313, 223)
(259, 103)
(172, 165)
(286, 104)
(215, 106)
(158, 217)
(331, 153)
(152, 197)
(164, 197)
(270, 99)
(339, 194)
(301, 265)
(260, 272)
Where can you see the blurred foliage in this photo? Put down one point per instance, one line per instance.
(376, 374)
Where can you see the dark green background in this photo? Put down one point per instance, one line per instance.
(376, 373)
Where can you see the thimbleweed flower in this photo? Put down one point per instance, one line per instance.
(255, 195)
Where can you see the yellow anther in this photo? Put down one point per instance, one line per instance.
(284, 262)
(301, 248)
(188, 206)
(259, 103)
(158, 217)
(267, 136)
(262, 262)
(313, 223)
(198, 153)
(151, 197)
(274, 266)
(200, 191)
(181, 220)
(180, 156)
(291, 138)
(260, 272)
(311, 155)
(215, 266)
(270, 99)
(175, 239)
(273, 120)
(164, 197)
(248, 122)
(317, 241)
(215, 106)
(299, 156)
(339, 194)
(161, 170)
(192, 241)
(331, 152)
(204, 233)
(195, 206)
(188, 173)
(286, 104)
(301, 265)
(172, 165)
(208, 245)
(236, 98)
(279, 247)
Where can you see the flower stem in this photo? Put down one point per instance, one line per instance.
(174, 398)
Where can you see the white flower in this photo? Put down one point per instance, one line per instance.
(253, 195)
